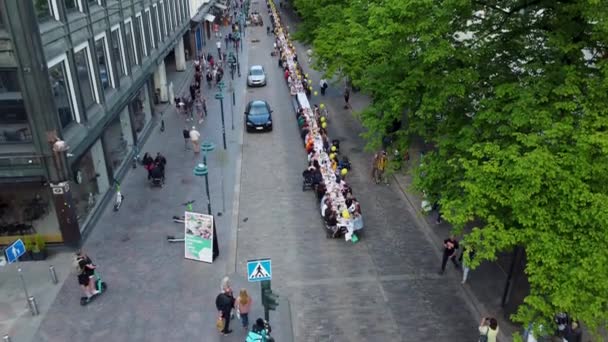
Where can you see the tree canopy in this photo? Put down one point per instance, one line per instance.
(513, 94)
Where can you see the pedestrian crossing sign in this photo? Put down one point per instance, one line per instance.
(259, 270)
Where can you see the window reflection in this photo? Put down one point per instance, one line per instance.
(104, 77)
(14, 127)
(61, 94)
(117, 55)
(129, 43)
(84, 77)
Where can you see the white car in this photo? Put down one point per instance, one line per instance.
(256, 76)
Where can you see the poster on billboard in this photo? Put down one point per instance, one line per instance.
(198, 237)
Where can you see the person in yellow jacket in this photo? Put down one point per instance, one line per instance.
(379, 166)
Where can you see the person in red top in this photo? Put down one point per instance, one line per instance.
(286, 74)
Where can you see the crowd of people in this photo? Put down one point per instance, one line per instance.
(327, 169)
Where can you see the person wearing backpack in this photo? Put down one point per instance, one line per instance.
(488, 329)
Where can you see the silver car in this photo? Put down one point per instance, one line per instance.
(256, 76)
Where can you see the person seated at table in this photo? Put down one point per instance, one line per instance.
(331, 218)
(310, 144)
(325, 206)
(301, 121)
(334, 163)
(304, 131)
(321, 190)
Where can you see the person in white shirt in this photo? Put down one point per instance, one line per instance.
(218, 44)
(194, 137)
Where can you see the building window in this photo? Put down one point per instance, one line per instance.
(140, 110)
(157, 23)
(174, 14)
(43, 8)
(14, 127)
(90, 181)
(118, 54)
(149, 31)
(139, 37)
(163, 20)
(130, 43)
(103, 64)
(61, 85)
(70, 5)
(168, 16)
(27, 208)
(83, 69)
(118, 140)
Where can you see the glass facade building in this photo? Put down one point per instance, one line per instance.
(95, 94)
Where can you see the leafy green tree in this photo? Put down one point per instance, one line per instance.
(513, 95)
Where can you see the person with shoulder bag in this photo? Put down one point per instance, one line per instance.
(488, 329)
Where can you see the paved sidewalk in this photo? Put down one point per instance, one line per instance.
(484, 287)
(15, 318)
(154, 294)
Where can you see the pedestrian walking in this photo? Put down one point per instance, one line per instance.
(450, 245)
(243, 305)
(224, 302)
(218, 44)
(346, 98)
(198, 107)
(204, 102)
(226, 40)
(488, 329)
(323, 85)
(186, 134)
(379, 166)
(194, 137)
(470, 252)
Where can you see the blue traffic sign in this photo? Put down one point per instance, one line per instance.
(14, 251)
(259, 270)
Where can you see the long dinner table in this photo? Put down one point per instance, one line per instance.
(331, 180)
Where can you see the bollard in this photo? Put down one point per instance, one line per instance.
(53, 274)
(6, 338)
(33, 306)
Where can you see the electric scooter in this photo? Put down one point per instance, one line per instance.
(119, 197)
(100, 285)
(181, 220)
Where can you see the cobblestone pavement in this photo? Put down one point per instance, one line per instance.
(384, 288)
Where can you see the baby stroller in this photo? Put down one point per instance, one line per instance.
(157, 176)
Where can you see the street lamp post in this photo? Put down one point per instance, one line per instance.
(201, 169)
(232, 107)
(220, 96)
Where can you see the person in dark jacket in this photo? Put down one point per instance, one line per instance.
(224, 302)
(574, 333)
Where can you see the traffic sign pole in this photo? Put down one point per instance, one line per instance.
(27, 295)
